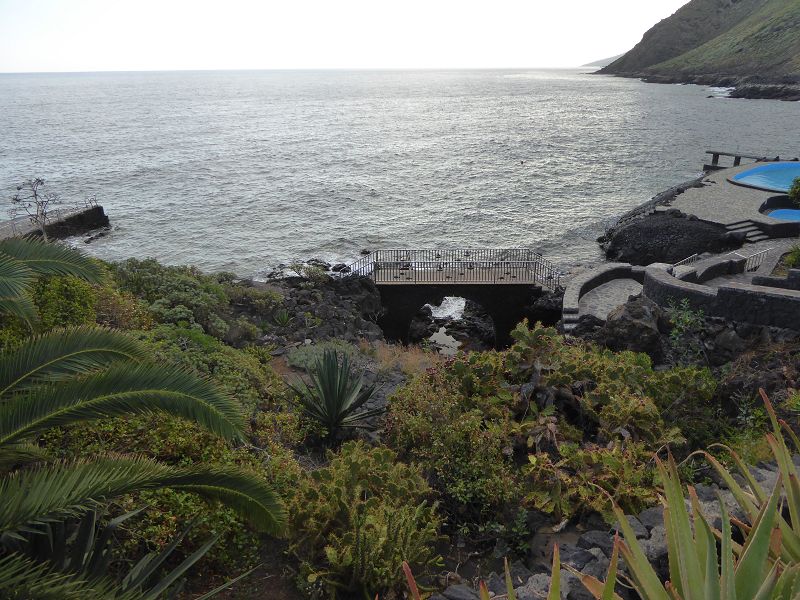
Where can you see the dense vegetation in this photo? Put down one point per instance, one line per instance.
(473, 452)
(721, 37)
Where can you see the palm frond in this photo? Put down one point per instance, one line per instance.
(25, 579)
(20, 307)
(44, 258)
(122, 389)
(15, 277)
(59, 490)
(64, 353)
(18, 455)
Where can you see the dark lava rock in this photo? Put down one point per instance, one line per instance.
(460, 592)
(652, 517)
(575, 557)
(519, 573)
(667, 238)
(319, 263)
(589, 328)
(340, 268)
(638, 529)
(597, 539)
(789, 93)
(422, 325)
(637, 325)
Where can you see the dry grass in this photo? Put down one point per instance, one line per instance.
(411, 360)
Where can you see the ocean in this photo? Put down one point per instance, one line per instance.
(245, 170)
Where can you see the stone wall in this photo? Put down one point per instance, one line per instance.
(735, 301)
(790, 282)
(582, 284)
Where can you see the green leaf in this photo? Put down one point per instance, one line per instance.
(555, 577)
(64, 353)
(753, 564)
(58, 490)
(50, 258)
(123, 389)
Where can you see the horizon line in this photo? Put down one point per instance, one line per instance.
(296, 69)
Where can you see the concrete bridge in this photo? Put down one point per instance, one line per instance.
(504, 281)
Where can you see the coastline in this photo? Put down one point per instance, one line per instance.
(743, 87)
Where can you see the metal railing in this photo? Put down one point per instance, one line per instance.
(689, 260)
(477, 266)
(754, 261)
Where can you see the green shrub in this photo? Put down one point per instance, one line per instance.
(253, 298)
(792, 259)
(571, 483)
(306, 357)
(64, 301)
(179, 295)
(794, 191)
(121, 310)
(240, 372)
(354, 521)
(621, 383)
(430, 422)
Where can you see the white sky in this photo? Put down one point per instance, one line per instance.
(120, 35)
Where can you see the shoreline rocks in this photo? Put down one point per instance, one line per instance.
(750, 88)
(667, 237)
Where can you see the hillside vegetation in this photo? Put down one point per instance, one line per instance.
(757, 39)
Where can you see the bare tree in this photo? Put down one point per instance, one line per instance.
(35, 201)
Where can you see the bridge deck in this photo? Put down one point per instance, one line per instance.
(510, 266)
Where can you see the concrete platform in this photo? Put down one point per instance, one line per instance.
(720, 201)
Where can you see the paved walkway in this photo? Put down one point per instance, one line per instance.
(720, 201)
(600, 301)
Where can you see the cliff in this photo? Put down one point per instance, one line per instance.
(720, 41)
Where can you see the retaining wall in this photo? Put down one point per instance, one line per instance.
(749, 303)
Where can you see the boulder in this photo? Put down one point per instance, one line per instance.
(667, 237)
(636, 325)
(597, 539)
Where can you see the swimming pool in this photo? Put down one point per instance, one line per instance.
(785, 214)
(772, 177)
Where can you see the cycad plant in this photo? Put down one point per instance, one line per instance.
(82, 374)
(336, 395)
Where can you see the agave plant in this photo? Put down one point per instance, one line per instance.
(82, 374)
(335, 395)
(705, 563)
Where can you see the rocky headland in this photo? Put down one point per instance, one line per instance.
(749, 45)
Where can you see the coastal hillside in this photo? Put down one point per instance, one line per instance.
(720, 38)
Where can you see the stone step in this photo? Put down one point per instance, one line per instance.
(738, 225)
(757, 238)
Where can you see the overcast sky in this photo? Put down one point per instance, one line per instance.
(119, 35)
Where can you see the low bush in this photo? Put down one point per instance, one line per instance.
(792, 258)
(64, 301)
(240, 372)
(544, 424)
(306, 357)
(794, 191)
(356, 520)
(466, 456)
(573, 482)
(178, 295)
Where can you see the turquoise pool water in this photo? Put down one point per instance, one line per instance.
(786, 214)
(773, 177)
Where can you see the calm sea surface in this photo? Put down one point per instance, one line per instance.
(242, 171)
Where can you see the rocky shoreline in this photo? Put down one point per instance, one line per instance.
(751, 88)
